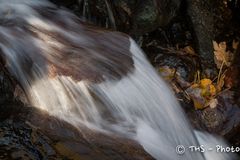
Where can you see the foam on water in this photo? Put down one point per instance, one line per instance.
(138, 104)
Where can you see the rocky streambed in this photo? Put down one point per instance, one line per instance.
(170, 34)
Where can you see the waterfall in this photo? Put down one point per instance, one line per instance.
(95, 78)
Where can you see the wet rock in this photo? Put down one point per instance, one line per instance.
(32, 134)
(97, 12)
(69, 57)
(134, 16)
(20, 141)
(172, 47)
(67, 3)
(146, 17)
(6, 87)
(182, 66)
(83, 143)
(223, 120)
(184, 63)
(142, 16)
(151, 14)
(7, 100)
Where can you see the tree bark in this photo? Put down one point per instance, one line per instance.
(208, 18)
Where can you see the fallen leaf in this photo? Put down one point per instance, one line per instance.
(205, 82)
(167, 73)
(202, 93)
(235, 44)
(212, 90)
(198, 104)
(189, 50)
(221, 55)
(208, 92)
(213, 103)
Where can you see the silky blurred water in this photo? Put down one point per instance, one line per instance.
(38, 41)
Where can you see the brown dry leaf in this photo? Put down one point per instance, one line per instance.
(221, 55)
(189, 50)
(195, 85)
(235, 44)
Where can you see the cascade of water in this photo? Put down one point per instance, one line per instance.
(92, 77)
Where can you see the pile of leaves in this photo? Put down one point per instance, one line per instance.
(204, 92)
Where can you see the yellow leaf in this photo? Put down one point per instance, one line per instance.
(202, 93)
(198, 104)
(167, 73)
(208, 92)
(204, 83)
(212, 90)
(205, 92)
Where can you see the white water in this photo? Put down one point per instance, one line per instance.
(139, 105)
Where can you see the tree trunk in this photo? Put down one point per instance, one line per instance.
(208, 18)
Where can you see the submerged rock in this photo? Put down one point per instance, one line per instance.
(31, 134)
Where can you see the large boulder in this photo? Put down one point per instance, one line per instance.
(34, 135)
(147, 15)
(131, 16)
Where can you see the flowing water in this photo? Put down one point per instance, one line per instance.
(94, 78)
